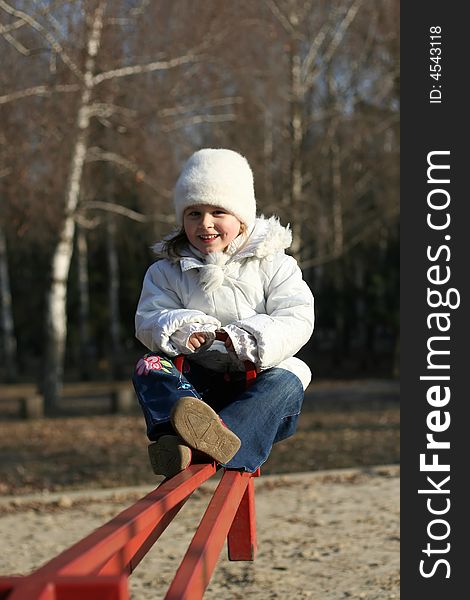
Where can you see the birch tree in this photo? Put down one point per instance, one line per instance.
(310, 51)
(88, 80)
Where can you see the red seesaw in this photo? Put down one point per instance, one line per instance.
(98, 566)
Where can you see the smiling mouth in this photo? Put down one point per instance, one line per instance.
(208, 238)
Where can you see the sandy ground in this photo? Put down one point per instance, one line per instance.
(326, 535)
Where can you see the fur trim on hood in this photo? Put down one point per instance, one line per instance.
(267, 237)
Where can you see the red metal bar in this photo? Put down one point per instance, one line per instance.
(95, 550)
(90, 554)
(27, 588)
(144, 520)
(199, 561)
(130, 555)
(97, 567)
(7, 584)
(92, 588)
(20, 588)
(95, 570)
(241, 539)
(64, 588)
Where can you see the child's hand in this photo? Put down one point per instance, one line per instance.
(196, 340)
(229, 344)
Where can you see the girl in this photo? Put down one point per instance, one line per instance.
(224, 275)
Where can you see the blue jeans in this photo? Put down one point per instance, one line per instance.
(264, 413)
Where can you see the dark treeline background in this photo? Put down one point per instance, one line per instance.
(102, 102)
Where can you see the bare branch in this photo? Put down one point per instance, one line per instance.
(127, 212)
(313, 50)
(153, 66)
(282, 18)
(39, 90)
(343, 27)
(55, 44)
(87, 223)
(11, 27)
(16, 45)
(47, 12)
(309, 79)
(43, 10)
(198, 119)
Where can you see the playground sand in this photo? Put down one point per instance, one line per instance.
(325, 535)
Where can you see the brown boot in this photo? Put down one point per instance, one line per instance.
(201, 428)
(169, 455)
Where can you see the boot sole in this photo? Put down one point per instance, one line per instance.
(169, 456)
(201, 428)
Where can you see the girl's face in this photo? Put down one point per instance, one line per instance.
(210, 228)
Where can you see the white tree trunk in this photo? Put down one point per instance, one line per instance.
(57, 298)
(7, 326)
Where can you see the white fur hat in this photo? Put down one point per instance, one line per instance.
(218, 177)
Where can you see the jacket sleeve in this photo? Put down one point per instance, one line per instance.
(160, 314)
(289, 319)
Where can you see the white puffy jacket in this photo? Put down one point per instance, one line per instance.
(253, 291)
